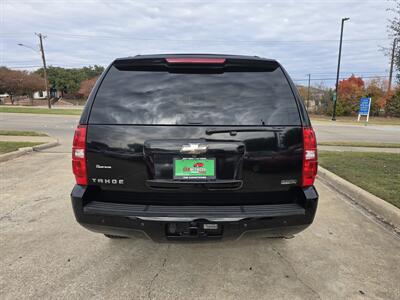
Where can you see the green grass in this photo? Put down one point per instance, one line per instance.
(13, 146)
(21, 133)
(361, 144)
(31, 110)
(378, 173)
(353, 120)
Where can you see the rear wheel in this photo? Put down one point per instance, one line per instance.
(110, 236)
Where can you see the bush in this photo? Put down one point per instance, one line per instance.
(344, 108)
(393, 104)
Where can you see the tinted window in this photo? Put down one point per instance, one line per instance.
(230, 98)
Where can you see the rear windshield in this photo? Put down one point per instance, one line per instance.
(163, 98)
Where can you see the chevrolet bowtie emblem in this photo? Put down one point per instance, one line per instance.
(194, 149)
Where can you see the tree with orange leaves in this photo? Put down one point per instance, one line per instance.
(350, 91)
(87, 86)
(376, 89)
(392, 107)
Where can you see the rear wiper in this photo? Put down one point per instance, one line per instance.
(194, 123)
(234, 131)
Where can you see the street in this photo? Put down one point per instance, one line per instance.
(62, 127)
(345, 253)
(58, 126)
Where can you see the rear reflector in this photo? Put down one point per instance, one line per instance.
(310, 157)
(193, 60)
(79, 155)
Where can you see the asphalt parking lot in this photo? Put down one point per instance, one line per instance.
(345, 254)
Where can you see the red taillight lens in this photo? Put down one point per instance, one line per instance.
(79, 155)
(194, 60)
(310, 157)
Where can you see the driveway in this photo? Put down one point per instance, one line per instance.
(58, 126)
(346, 253)
(46, 254)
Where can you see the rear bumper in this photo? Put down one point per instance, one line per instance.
(233, 222)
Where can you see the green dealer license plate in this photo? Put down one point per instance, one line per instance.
(193, 168)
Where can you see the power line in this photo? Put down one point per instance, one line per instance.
(315, 79)
(109, 37)
(23, 67)
(41, 66)
(350, 72)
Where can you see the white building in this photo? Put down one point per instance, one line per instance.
(43, 94)
(40, 95)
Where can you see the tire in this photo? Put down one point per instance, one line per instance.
(110, 236)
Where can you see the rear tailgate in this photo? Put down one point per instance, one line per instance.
(236, 120)
(130, 157)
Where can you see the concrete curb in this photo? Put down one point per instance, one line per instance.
(25, 150)
(383, 210)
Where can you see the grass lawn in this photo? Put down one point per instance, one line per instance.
(21, 133)
(378, 173)
(13, 146)
(353, 120)
(31, 110)
(361, 144)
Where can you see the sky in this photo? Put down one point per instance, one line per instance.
(302, 35)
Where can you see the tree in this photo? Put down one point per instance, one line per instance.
(17, 83)
(320, 98)
(393, 104)
(376, 89)
(394, 32)
(87, 86)
(91, 72)
(326, 105)
(303, 93)
(69, 80)
(350, 91)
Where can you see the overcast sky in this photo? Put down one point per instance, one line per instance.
(303, 35)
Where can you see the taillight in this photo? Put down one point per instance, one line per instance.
(79, 155)
(195, 60)
(310, 157)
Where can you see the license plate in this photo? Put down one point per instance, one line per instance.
(194, 168)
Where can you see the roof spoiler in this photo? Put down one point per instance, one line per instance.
(178, 64)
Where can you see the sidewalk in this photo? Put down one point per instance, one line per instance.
(44, 142)
(35, 139)
(359, 149)
(59, 106)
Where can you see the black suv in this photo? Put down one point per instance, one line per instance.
(194, 146)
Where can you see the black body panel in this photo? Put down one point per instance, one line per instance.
(263, 160)
(134, 138)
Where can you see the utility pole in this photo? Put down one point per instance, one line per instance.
(41, 37)
(308, 90)
(391, 65)
(338, 70)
